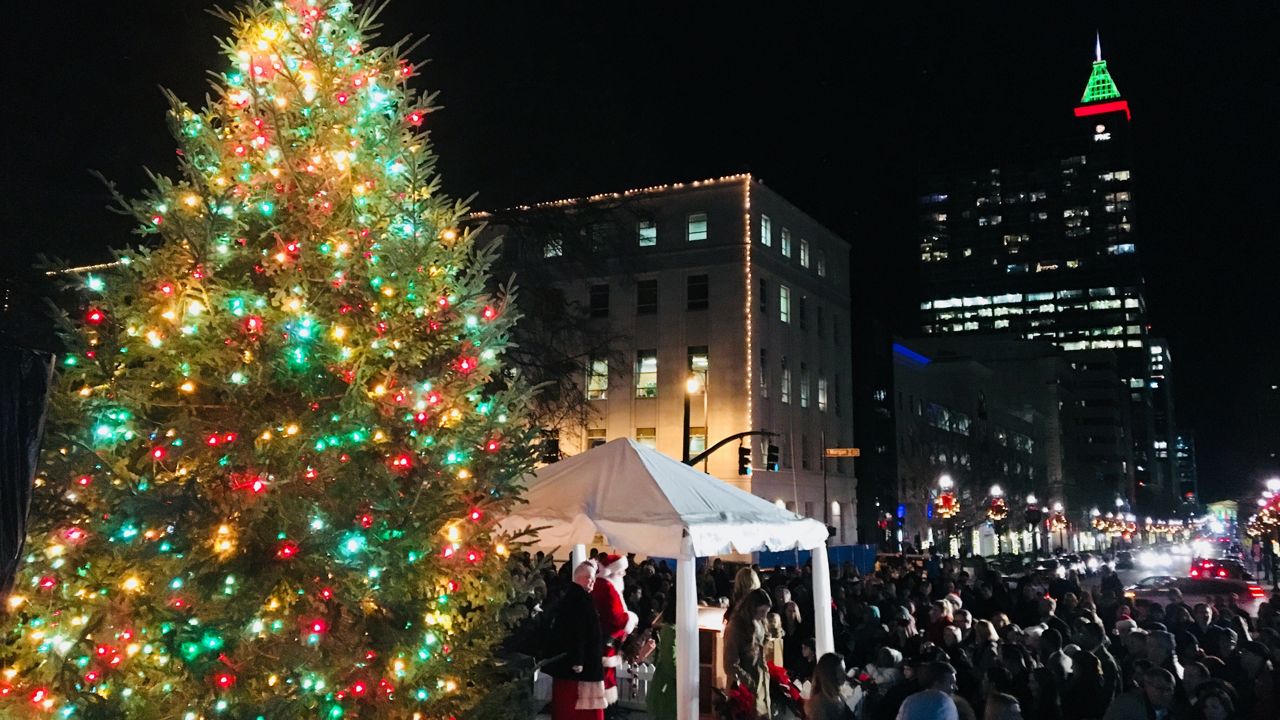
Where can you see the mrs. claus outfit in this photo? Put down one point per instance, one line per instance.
(577, 690)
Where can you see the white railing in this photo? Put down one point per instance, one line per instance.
(633, 685)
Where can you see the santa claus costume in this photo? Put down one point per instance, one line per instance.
(616, 622)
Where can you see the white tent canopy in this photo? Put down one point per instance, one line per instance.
(642, 501)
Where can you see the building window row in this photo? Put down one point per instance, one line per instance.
(696, 230)
(808, 256)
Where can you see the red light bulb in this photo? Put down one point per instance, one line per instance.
(157, 453)
(287, 550)
(224, 680)
(95, 316)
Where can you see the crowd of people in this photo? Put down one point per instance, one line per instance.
(934, 642)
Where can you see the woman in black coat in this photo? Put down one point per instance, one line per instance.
(578, 649)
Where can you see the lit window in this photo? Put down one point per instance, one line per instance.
(697, 440)
(648, 233)
(804, 386)
(784, 303)
(553, 247)
(822, 394)
(595, 437)
(822, 264)
(648, 437)
(598, 380)
(804, 253)
(647, 373)
(786, 242)
(699, 364)
(766, 231)
(786, 383)
(697, 227)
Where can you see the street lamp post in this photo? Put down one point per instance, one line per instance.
(945, 506)
(1034, 516)
(997, 512)
(692, 386)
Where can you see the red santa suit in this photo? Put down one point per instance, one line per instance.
(616, 622)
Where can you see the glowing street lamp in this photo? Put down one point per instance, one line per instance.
(692, 386)
(945, 482)
(1273, 484)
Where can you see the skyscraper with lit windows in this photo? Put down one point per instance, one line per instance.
(1044, 247)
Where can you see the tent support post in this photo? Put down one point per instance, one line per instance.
(578, 556)
(823, 634)
(686, 634)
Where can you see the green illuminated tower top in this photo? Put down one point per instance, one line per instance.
(1101, 87)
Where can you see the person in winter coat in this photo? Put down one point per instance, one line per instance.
(577, 690)
(744, 647)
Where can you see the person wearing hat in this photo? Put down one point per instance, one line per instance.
(616, 622)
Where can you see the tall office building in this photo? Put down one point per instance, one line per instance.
(722, 282)
(1044, 247)
(1184, 457)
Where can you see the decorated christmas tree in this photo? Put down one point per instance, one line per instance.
(281, 439)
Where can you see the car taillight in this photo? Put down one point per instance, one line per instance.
(1222, 573)
(1255, 591)
(1195, 572)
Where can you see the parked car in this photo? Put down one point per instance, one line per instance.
(1244, 594)
(1124, 560)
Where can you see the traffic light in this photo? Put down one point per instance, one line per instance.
(771, 458)
(744, 459)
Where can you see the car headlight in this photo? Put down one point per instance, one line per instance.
(1092, 564)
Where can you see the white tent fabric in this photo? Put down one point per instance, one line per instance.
(639, 500)
(645, 502)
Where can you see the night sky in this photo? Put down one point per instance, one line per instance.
(839, 110)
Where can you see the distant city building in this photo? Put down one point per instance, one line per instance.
(1184, 458)
(723, 282)
(981, 412)
(1044, 247)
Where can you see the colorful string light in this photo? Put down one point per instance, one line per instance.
(279, 447)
